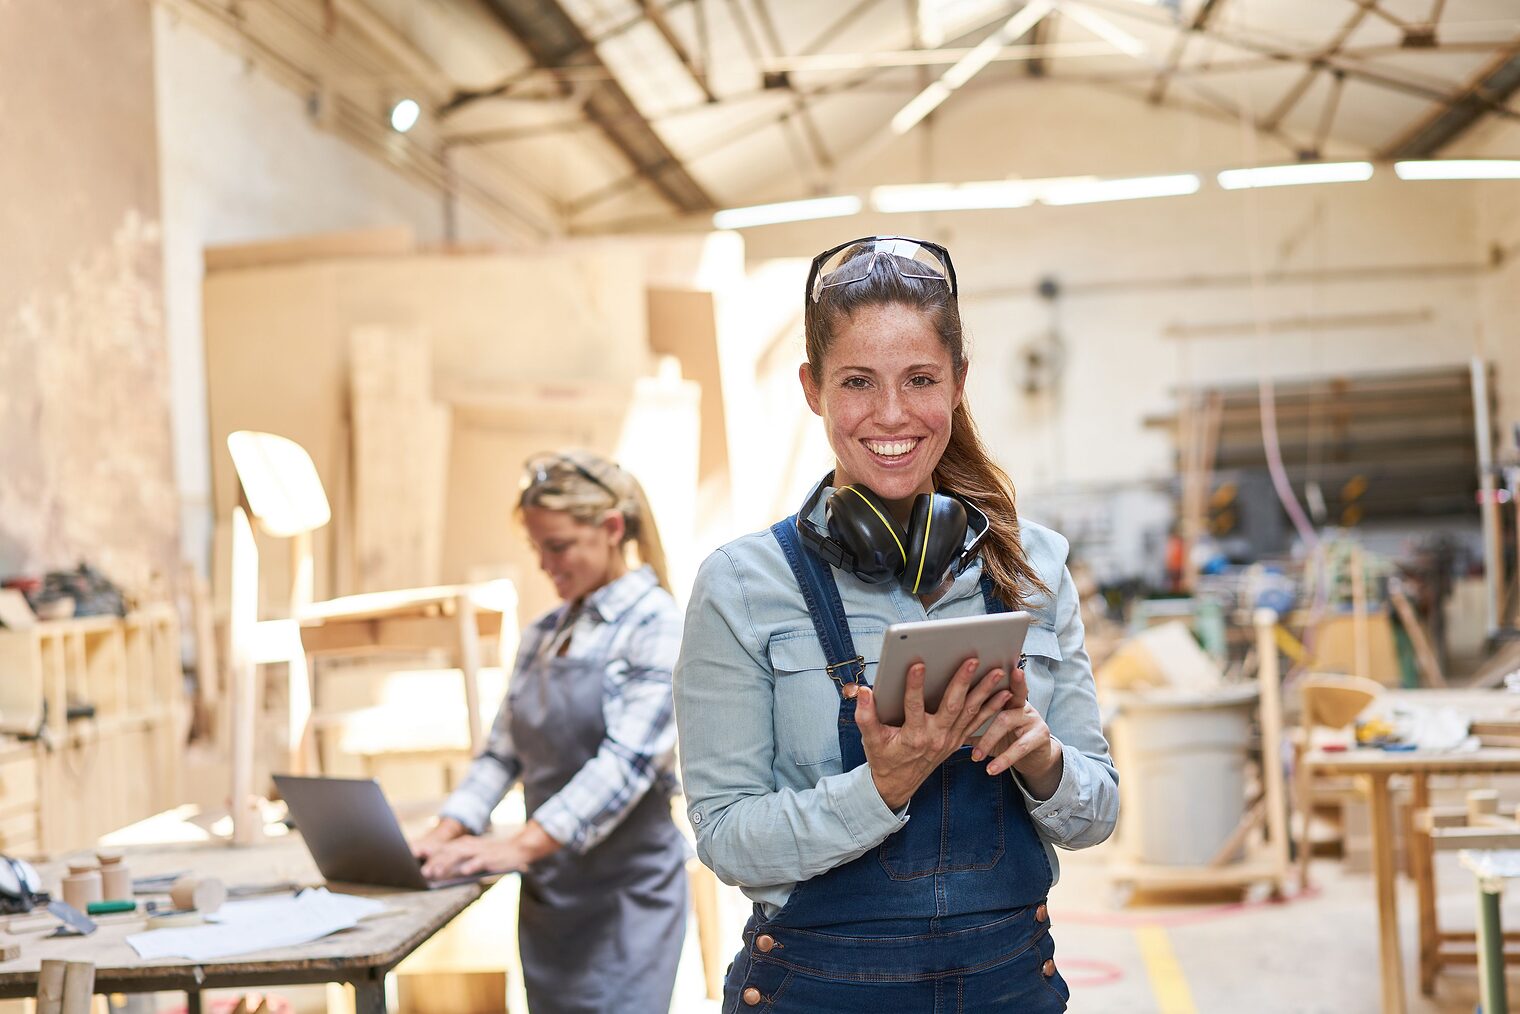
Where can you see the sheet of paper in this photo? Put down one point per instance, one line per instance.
(256, 925)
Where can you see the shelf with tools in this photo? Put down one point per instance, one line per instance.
(95, 711)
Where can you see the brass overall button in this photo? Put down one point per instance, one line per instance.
(850, 691)
(1049, 968)
(1041, 914)
(751, 996)
(764, 943)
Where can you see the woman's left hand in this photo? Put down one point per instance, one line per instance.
(1018, 738)
(504, 853)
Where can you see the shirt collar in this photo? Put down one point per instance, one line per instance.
(615, 598)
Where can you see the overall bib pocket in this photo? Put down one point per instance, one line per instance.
(944, 838)
(807, 698)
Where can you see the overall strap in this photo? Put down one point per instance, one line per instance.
(996, 605)
(990, 597)
(846, 668)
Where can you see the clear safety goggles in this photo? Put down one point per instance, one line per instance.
(542, 470)
(854, 261)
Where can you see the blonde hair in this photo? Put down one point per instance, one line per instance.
(586, 486)
(966, 467)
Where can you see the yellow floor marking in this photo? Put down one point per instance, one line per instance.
(1167, 982)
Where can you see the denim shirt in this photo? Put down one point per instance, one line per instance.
(767, 796)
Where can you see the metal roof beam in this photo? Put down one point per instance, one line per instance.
(1488, 92)
(555, 40)
(1179, 47)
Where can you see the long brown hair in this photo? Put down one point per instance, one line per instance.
(586, 486)
(966, 467)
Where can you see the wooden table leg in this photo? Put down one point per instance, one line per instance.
(1421, 862)
(369, 993)
(1384, 873)
(704, 896)
(1491, 947)
(1303, 792)
(469, 666)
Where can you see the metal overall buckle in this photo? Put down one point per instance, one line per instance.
(848, 690)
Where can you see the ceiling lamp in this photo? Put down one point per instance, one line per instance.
(786, 211)
(1460, 169)
(1062, 193)
(404, 115)
(953, 196)
(1295, 175)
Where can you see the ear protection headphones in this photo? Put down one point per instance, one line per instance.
(863, 538)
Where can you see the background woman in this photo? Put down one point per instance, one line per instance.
(893, 868)
(587, 725)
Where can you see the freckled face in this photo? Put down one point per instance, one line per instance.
(886, 393)
(579, 558)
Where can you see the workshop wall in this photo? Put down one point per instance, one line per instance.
(243, 161)
(1497, 243)
(86, 467)
(1140, 280)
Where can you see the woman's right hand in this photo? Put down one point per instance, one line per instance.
(443, 832)
(902, 757)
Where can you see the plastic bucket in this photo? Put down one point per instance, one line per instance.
(1181, 759)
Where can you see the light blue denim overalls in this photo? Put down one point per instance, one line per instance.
(946, 916)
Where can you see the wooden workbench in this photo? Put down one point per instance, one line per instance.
(1377, 767)
(361, 956)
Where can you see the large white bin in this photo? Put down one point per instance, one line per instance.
(1181, 759)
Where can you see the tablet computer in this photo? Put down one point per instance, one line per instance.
(942, 645)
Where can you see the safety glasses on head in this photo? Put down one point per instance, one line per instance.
(541, 470)
(854, 261)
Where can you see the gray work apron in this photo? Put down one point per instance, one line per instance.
(599, 932)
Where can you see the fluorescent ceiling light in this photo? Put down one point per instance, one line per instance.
(1094, 191)
(921, 105)
(1460, 169)
(404, 115)
(1295, 175)
(1105, 30)
(953, 196)
(786, 211)
(967, 67)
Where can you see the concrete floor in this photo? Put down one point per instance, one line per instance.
(1314, 953)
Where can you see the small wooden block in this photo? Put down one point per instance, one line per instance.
(9, 951)
(31, 923)
(176, 918)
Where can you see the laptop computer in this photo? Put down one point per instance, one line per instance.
(352, 833)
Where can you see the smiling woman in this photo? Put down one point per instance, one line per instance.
(890, 869)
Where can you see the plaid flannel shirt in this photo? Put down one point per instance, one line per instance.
(633, 624)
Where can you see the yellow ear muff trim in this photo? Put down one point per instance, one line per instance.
(924, 552)
(891, 529)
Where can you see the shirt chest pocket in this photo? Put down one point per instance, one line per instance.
(807, 697)
(1042, 657)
